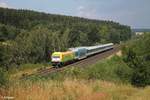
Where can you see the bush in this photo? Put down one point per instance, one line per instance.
(124, 72)
(113, 69)
(4, 79)
(136, 54)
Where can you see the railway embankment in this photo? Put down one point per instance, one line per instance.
(103, 80)
(82, 63)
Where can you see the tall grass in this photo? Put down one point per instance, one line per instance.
(74, 89)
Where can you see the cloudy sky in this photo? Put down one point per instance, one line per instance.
(135, 13)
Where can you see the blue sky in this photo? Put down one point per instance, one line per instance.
(135, 13)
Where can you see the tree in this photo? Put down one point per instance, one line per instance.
(137, 54)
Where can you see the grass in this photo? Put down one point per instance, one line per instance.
(17, 72)
(109, 69)
(112, 69)
(74, 89)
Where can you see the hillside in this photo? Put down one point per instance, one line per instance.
(20, 20)
(31, 37)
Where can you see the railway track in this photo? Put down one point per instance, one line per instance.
(82, 63)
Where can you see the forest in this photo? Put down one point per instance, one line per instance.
(30, 37)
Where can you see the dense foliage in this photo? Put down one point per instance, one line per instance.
(137, 56)
(4, 79)
(30, 37)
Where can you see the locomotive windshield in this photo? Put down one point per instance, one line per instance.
(55, 57)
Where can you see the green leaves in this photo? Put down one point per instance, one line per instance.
(4, 79)
(31, 46)
(136, 55)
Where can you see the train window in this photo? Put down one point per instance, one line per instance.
(76, 53)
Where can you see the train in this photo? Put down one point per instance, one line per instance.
(59, 59)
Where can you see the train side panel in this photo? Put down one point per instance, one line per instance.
(67, 56)
(60, 58)
(81, 53)
(97, 49)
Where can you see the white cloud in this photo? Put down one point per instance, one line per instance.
(80, 8)
(86, 12)
(4, 5)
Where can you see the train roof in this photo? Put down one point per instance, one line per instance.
(61, 53)
(99, 46)
(77, 48)
(91, 47)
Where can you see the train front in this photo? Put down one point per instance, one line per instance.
(56, 58)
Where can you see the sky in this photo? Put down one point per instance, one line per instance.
(135, 13)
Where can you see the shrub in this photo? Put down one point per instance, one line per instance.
(136, 54)
(4, 79)
(113, 69)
